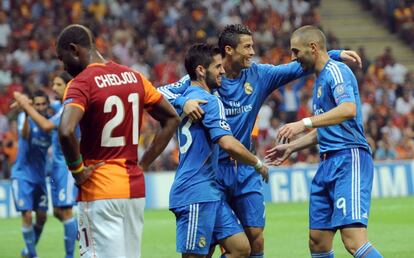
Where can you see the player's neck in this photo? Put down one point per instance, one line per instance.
(96, 57)
(232, 69)
(201, 84)
(320, 63)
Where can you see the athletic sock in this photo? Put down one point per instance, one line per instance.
(71, 233)
(30, 240)
(367, 251)
(323, 255)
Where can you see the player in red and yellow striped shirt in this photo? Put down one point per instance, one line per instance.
(107, 100)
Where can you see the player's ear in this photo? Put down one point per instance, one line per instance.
(201, 71)
(314, 47)
(74, 49)
(228, 49)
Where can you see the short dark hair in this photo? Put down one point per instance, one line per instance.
(66, 77)
(40, 93)
(230, 36)
(199, 54)
(76, 34)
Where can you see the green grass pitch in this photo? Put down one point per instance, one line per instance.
(391, 230)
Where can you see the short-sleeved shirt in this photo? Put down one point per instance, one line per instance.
(113, 98)
(335, 85)
(195, 179)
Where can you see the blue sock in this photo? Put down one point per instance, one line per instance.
(323, 255)
(29, 239)
(71, 233)
(37, 231)
(261, 255)
(367, 251)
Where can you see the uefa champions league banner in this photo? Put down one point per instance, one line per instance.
(286, 184)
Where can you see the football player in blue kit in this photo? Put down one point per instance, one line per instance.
(29, 175)
(203, 217)
(63, 186)
(245, 86)
(340, 193)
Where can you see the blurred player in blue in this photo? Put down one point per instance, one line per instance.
(340, 193)
(245, 87)
(203, 217)
(63, 187)
(29, 174)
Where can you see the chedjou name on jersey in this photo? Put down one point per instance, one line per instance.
(111, 79)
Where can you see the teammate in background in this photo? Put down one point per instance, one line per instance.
(245, 87)
(341, 189)
(29, 175)
(107, 100)
(63, 187)
(194, 197)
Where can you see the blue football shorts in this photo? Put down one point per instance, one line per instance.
(341, 190)
(29, 196)
(243, 190)
(201, 225)
(63, 188)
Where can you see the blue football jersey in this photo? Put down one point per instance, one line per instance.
(337, 84)
(20, 166)
(243, 96)
(31, 159)
(195, 179)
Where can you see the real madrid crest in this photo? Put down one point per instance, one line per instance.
(319, 94)
(248, 88)
(202, 242)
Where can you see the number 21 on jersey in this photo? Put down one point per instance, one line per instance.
(107, 139)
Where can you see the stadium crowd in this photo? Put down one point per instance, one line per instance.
(152, 37)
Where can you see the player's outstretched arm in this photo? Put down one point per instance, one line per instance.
(26, 128)
(278, 154)
(165, 114)
(276, 76)
(345, 111)
(237, 151)
(337, 115)
(26, 104)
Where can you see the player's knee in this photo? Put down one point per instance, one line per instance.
(27, 218)
(57, 213)
(351, 245)
(41, 218)
(256, 239)
(242, 250)
(316, 244)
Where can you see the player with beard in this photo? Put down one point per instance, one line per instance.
(203, 217)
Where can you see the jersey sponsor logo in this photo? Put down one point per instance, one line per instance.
(20, 202)
(248, 88)
(202, 242)
(339, 89)
(237, 108)
(319, 93)
(107, 80)
(224, 125)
